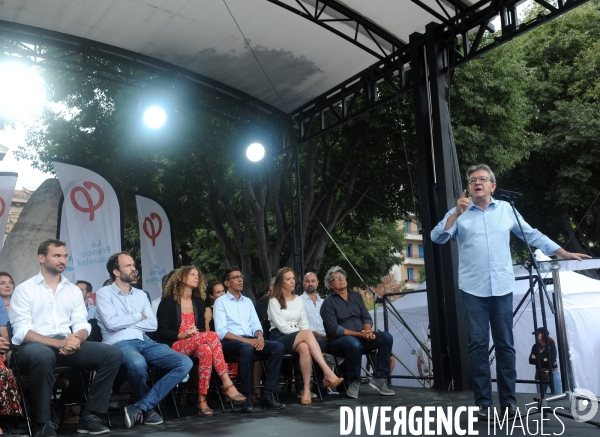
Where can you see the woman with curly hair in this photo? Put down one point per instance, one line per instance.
(181, 326)
(289, 326)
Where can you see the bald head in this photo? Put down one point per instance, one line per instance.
(310, 283)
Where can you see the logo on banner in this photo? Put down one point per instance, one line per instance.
(153, 232)
(91, 206)
(2, 206)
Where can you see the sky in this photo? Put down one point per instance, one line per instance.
(28, 176)
(22, 99)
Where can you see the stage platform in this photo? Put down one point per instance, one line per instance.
(322, 418)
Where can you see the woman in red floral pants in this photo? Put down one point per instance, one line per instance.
(181, 325)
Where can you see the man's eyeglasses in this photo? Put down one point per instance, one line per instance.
(339, 278)
(237, 277)
(482, 179)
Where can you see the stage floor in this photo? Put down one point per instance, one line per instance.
(323, 418)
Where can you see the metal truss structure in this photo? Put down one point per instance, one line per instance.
(463, 34)
(358, 27)
(77, 55)
(464, 28)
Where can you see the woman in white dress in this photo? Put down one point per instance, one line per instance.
(289, 326)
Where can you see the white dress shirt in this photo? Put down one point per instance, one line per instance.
(235, 316)
(313, 313)
(120, 315)
(35, 307)
(288, 320)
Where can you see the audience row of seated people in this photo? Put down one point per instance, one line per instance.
(211, 325)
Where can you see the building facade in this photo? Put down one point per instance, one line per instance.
(414, 256)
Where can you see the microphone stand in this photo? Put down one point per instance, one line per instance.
(531, 265)
(542, 402)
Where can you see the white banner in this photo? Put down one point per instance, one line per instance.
(155, 242)
(8, 181)
(93, 219)
(69, 271)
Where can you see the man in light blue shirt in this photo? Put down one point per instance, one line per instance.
(124, 316)
(482, 227)
(238, 326)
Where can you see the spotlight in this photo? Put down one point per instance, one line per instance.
(22, 95)
(155, 117)
(255, 152)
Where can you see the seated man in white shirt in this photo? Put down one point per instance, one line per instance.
(312, 304)
(50, 327)
(125, 316)
(238, 326)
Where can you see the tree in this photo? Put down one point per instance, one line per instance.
(372, 253)
(491, 111)
(559, 180)
(214, 195)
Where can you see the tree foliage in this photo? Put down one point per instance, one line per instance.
(558, 179)
(225, 210)
(491, 111)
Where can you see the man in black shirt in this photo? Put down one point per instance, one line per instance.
(348, 326)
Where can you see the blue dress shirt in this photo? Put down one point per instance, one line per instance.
(484, 261)
(235, 316)
(120, 315)
(3, 315)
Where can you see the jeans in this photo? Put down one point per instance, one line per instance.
(245, 353)
(137, 354)
(557, 383)
(353, 349)
(481, 314)
(41, 360)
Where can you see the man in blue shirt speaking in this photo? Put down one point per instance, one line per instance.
(482, 227)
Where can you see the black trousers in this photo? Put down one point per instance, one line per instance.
(41, 360)
(273, 352)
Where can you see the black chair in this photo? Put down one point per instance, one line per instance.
(292, 368)
(20, 373)
(84, 378)
(338, 366)
(212, 388)
(233, 359)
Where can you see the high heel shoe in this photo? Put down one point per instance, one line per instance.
(306, 401)
(204, 411)
(332, 384)
(237, 399)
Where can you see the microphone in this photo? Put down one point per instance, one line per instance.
(505, 194)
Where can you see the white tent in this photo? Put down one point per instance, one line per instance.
(581, 299)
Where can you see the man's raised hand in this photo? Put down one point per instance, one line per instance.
(463, 203)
